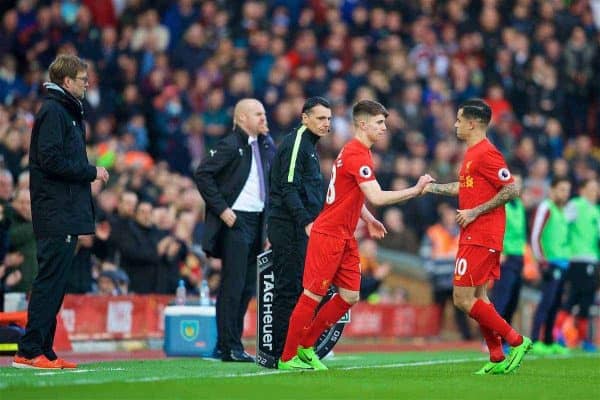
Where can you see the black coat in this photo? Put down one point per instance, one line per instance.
(221, 176)
(296, 182)
(60, 173)
(137, 246)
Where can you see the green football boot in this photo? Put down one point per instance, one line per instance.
(556, 348)
(308, 355)
(516, 355)
(493, 368)
(540, 348)
(293, 364)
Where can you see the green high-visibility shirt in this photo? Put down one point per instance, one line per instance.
(584, 229)
(515, 235)
(550, 234)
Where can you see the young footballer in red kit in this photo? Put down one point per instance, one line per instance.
(484, 185)
(332, 255)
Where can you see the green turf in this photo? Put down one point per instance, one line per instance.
(440, 375)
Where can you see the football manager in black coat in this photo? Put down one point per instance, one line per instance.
(61, 205)
(233, 180)
(296, 198)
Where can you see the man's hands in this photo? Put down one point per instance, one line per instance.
(102, 174)
(103, 230)
(465, 217)
(376, 229)
(422, 183)
(228, 217)
(168, 246)
(308, 228)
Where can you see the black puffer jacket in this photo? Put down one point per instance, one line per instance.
(60, 173)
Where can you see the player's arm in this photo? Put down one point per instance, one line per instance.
(378, 197)
(365, 214)
(445, 189)
(507, 193)
(376, 228)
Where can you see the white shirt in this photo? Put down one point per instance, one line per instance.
(249, 198)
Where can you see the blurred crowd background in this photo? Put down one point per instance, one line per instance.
(165, 74)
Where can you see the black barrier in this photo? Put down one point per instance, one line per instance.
(264, 316)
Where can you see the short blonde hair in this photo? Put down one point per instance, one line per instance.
(65, 65)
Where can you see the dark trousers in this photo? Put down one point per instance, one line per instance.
(506, 290)
(289, 250)
(241, 244)
(55, 257)
(545, 314)
(580, 282)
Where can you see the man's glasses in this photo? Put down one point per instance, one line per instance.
(84, 79)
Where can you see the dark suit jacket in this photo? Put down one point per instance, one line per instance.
(221, 176)
(61, 197)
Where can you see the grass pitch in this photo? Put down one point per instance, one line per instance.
(409, 375)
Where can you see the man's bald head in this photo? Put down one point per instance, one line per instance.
(249, 114)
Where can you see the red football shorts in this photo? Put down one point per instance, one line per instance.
(476, 265)
(331, 260)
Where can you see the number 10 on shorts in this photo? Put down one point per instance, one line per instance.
(460, 267)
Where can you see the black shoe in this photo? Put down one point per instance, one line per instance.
(238, 356)
(217, 354)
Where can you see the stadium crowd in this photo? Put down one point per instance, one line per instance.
(164, 76)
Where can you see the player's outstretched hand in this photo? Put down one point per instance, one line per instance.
(376, 229)
(423, 181)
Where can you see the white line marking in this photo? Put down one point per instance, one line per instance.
(76, 371)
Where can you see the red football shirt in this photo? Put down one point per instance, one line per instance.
(482, 174)
(344, 200)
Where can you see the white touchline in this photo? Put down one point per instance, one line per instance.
(76, 371)
(418, 363)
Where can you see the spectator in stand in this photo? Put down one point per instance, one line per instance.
(118, 222)
(537, 184)
(372, 272)
(108, 284)
(11, 151)
(579, 57)
(10, 275)
(138, 245)
(399, 237)
(22, 240)
(498, 103)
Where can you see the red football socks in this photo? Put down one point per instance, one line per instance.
(327, 316)
(561, 318)
(494, 344)
(299, 322)
(488, 317)
(582, 325)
